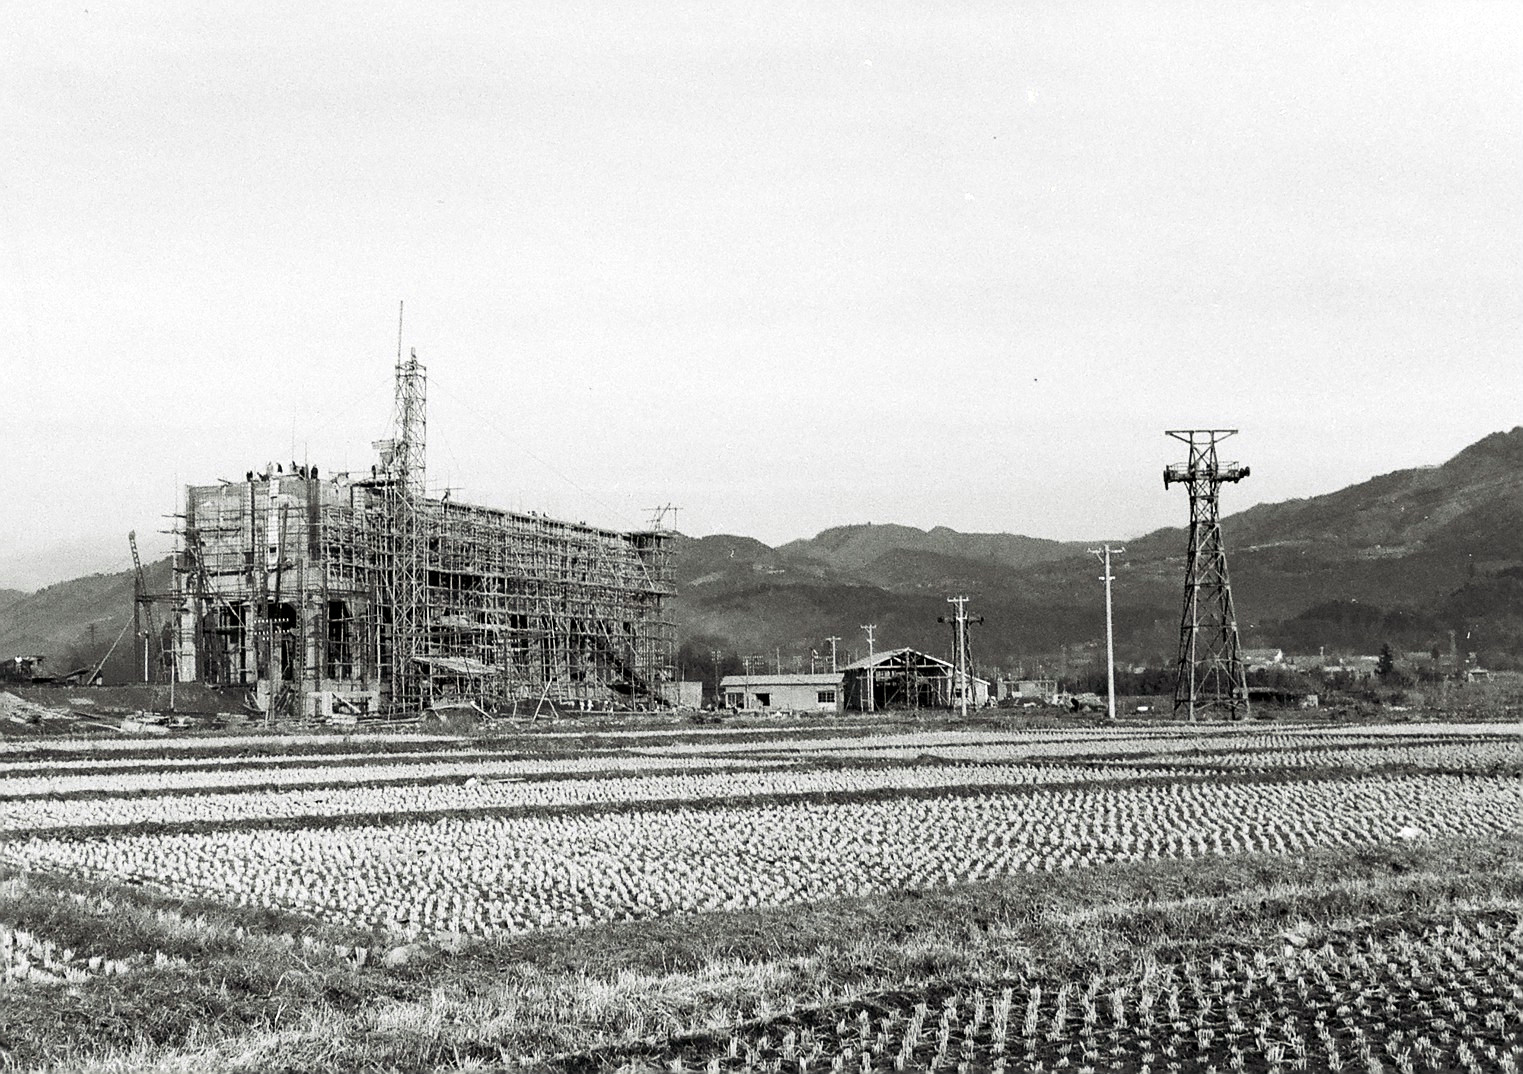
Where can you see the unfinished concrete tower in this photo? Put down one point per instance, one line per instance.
(1211, 677)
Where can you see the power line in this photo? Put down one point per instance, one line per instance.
(619, 512)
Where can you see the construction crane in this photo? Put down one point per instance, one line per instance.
(142, 608)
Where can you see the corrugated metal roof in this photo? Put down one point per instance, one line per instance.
(888, 654)
(828, 678)
(879, 659)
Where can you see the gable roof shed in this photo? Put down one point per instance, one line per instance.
(908, 678)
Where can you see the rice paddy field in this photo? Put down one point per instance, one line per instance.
(825, 897)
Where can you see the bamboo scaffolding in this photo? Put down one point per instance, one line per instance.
(516, 607)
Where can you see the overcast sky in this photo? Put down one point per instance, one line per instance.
(786, 266)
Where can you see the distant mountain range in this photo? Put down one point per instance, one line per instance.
(75, 623)
(1404, 558)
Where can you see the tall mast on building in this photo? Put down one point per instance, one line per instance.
(406, 492)
(1210, 668)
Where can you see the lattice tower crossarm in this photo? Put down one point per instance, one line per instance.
(1210, 672)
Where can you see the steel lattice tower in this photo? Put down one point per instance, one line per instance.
(1210, 670)
(406, 492)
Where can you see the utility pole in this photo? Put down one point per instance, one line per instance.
(960, 623)
(1210, 668)
(833, 639)
(1105, 554)
(962, 666)
(872, 672)
(178, 607)
(718, 697)
(746, 699)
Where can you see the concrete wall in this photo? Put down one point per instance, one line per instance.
(253, 536)
(683, 695)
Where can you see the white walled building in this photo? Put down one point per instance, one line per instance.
(783, 693)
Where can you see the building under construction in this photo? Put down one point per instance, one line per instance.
(359, 593)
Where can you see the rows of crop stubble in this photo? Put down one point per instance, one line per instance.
(38, 811)
(515, 873)
(624, 837)
(1447, 998)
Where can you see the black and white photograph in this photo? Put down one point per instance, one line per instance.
(975, 537)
